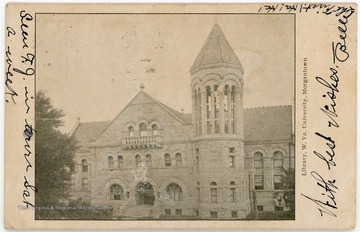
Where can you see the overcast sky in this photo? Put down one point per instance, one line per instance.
(91, 66)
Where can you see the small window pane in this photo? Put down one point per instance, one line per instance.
(213, 192)
(278, 160)
(231, 161)
(167, 212)
(258, 160)
(213, 214)
(259, 181)
(178, 160)
(167, 160)
(278, 182)
(178, 212)
(234, 214)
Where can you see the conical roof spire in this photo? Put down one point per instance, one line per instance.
(216, 52)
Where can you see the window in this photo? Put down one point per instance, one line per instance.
(208, 110)
(213, 192)
(231, 149)
(167, 212)
(178, 160)
(116, 192)
(232, 195)
(278, 159)
(213, 214)
(278, 182)
(259, 181)
(197, 151)
(111, 162)
(131, 132)
(138, 160)
(278, 209)
(174, 192)
(143, 131)
(197, 214)
(197, 163)
(155, 130)
(260, 208)
(258, 160)
(120, 161)
(167, 160)
(148, 160)
(85, 184)
(178, 212)
(231, 161)
(84, 165)
(234, 214)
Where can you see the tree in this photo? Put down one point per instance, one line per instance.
(289, 193)
(54, 155)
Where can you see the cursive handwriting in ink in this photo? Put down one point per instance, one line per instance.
(26, 100)
(325, 206)
(10, 31)
(339, 49)
(330, 109)
(28, 133)
(9, 90)
(331, 145)
(25, 16)
(26, 192)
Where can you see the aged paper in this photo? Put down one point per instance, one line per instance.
(233, 116)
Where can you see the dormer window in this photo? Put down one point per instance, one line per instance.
(143, 131)
(131, 132)
(155, 130)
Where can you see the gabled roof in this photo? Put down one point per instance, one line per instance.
(272, 123)
(142, 97)
(216, 52)
(85, 132)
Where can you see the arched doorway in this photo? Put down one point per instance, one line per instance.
(144, 194)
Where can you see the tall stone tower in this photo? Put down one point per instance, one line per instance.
(218, 146)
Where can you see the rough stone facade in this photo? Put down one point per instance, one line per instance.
(220, 162)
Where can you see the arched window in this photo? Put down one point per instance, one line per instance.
(143, 131)
(174, 192)
(226, 109)
(111, 162)
(278, 160)
(217, 109)
(138, 160)
(178, 160)
(84, 165)
(213, 192)
(116, 192)
(199, 111)
(208, 110)
(232, 108)
(155, 130)
(148, 160)
(167, 160)
(258, 160)
(120, 161)
(131, 132)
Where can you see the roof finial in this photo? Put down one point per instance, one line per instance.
(142, 87)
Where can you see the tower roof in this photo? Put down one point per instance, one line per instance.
(216, 52)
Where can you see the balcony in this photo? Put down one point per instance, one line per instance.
(142, 142)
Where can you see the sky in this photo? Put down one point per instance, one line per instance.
(91, 66)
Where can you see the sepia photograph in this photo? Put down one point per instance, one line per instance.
(165, 117)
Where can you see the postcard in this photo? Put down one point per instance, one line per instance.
(164, 116)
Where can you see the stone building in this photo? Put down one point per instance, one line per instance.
(152, 161)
